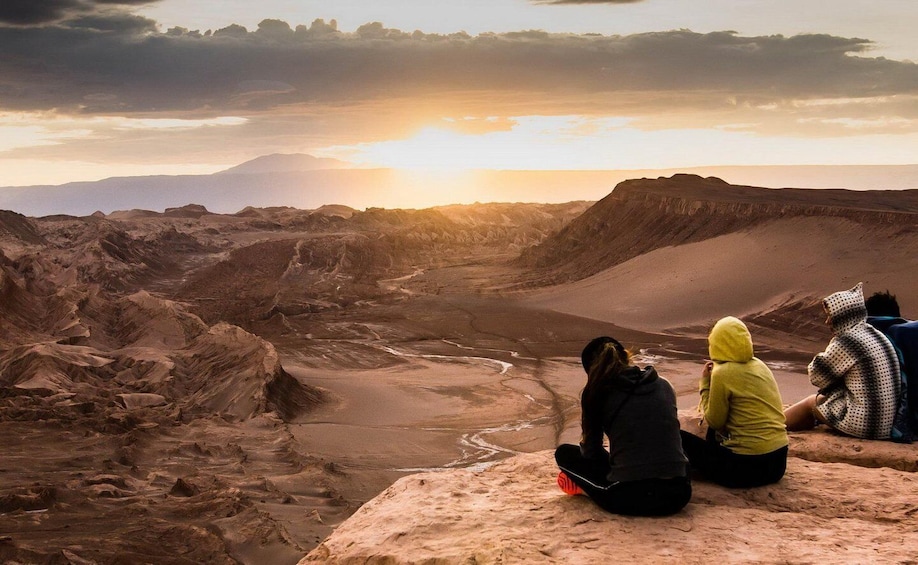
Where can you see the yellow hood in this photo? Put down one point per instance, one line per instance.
(730, 340)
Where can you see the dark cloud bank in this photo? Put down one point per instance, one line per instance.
(113, 62)
(32, 12)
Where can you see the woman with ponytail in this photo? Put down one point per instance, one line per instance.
(644, 472)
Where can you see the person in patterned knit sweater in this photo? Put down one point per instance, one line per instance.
(857, 375)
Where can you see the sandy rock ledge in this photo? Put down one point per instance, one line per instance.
(847, 509)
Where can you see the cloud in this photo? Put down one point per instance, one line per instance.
(118, 23)
(33, 12)
(120, 64)
(314, 86)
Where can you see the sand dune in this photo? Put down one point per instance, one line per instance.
(761, 269)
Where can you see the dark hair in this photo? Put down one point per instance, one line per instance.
(592, 349)
(882, 304)
(603, 359)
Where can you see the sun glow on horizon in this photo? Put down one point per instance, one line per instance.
(533, 143)
(431, 150)
(568, 143)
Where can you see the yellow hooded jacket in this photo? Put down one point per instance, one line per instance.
(741, 401)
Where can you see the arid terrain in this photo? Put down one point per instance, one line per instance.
(188, 387)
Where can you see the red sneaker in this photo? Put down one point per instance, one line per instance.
(568, 485)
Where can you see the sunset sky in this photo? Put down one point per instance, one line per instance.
(98, 88)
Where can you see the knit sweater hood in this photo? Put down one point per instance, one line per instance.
(846, 309)
(730, 340)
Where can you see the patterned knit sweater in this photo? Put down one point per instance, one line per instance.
(858, 373)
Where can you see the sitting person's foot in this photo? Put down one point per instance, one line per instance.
(568, 485)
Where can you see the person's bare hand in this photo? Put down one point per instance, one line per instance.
(706, 371)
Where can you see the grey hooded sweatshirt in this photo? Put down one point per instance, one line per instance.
(638, 413)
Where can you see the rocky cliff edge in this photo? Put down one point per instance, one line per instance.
(841, 501)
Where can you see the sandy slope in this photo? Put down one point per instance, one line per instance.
(745, 273)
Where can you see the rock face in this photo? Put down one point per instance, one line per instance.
(857, 508)
(157, 356)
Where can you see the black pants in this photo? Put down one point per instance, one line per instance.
(720, 465)
(648, 497)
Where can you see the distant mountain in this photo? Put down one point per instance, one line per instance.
(285, 163)
(307, 190)
(220, 193)
(306, 182)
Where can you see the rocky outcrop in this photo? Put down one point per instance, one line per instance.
(187, 211)
(149, 347)
(16, 226)
(855, 506)
(230, 372)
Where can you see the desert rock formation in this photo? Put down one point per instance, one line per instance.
(189, 387)
(676, 254)
(138, 407)
(644, 215)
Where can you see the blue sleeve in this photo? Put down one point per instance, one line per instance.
(905, 338)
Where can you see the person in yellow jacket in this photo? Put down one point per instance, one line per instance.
(746, 445)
